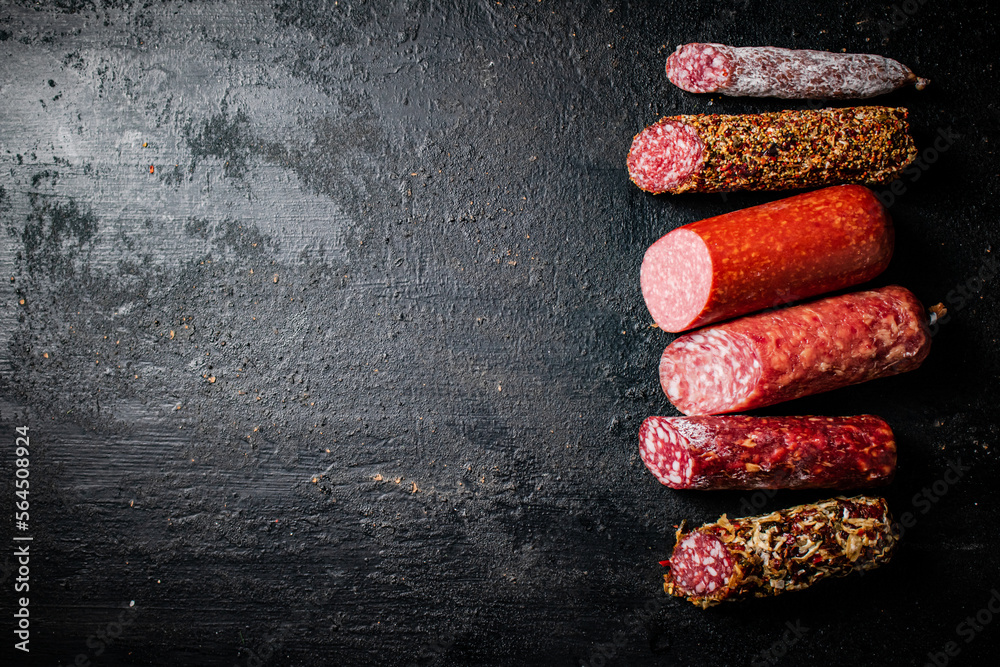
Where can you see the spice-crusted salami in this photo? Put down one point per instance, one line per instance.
(763, 556)
(771, 151)
(765, 256)
(779, 355)
(767, 71)
(743, 452)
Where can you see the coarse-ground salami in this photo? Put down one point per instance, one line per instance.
(763, 556)
(767, 71)
(743, 452)
(766, 256)
(784, 150)
(776, 356)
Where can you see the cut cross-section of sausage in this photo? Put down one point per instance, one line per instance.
(771, 151)
(700, 565)
(780, 355)
(763, 556)
(701, 68)
(767, 71)
(744, 452)
(669, 138)
(766, 256)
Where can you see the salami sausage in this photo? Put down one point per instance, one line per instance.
(784, 150)
(767, 71)
(743, 452)
(764, 556)
(765, 256)
(776, 356)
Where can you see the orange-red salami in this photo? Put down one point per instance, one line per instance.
(780, 355)
(784, 150)
(744, 452)
(766, 256)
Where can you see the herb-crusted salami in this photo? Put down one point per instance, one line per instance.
(743, 452)
(780, 355)
(765, 256)
(771, 151)
(767, 71)
(763, 556)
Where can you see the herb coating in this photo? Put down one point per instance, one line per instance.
(794, 149)
(793, 548)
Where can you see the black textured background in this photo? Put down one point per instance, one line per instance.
(353, 376)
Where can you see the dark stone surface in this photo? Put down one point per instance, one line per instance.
(325, 320)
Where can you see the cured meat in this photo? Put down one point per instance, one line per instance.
(742, 452)
(763, 556)
(767, 71)
(766, 256)
(776, 356)
(771, 151)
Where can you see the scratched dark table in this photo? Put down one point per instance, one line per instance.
(324, 320)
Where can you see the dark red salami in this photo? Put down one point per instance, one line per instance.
(766, 256)
(779, 355)
(742, 452)
(767, 71)
(764, 556)
(771, 151)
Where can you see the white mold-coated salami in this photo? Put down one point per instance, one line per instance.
(767, 71)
